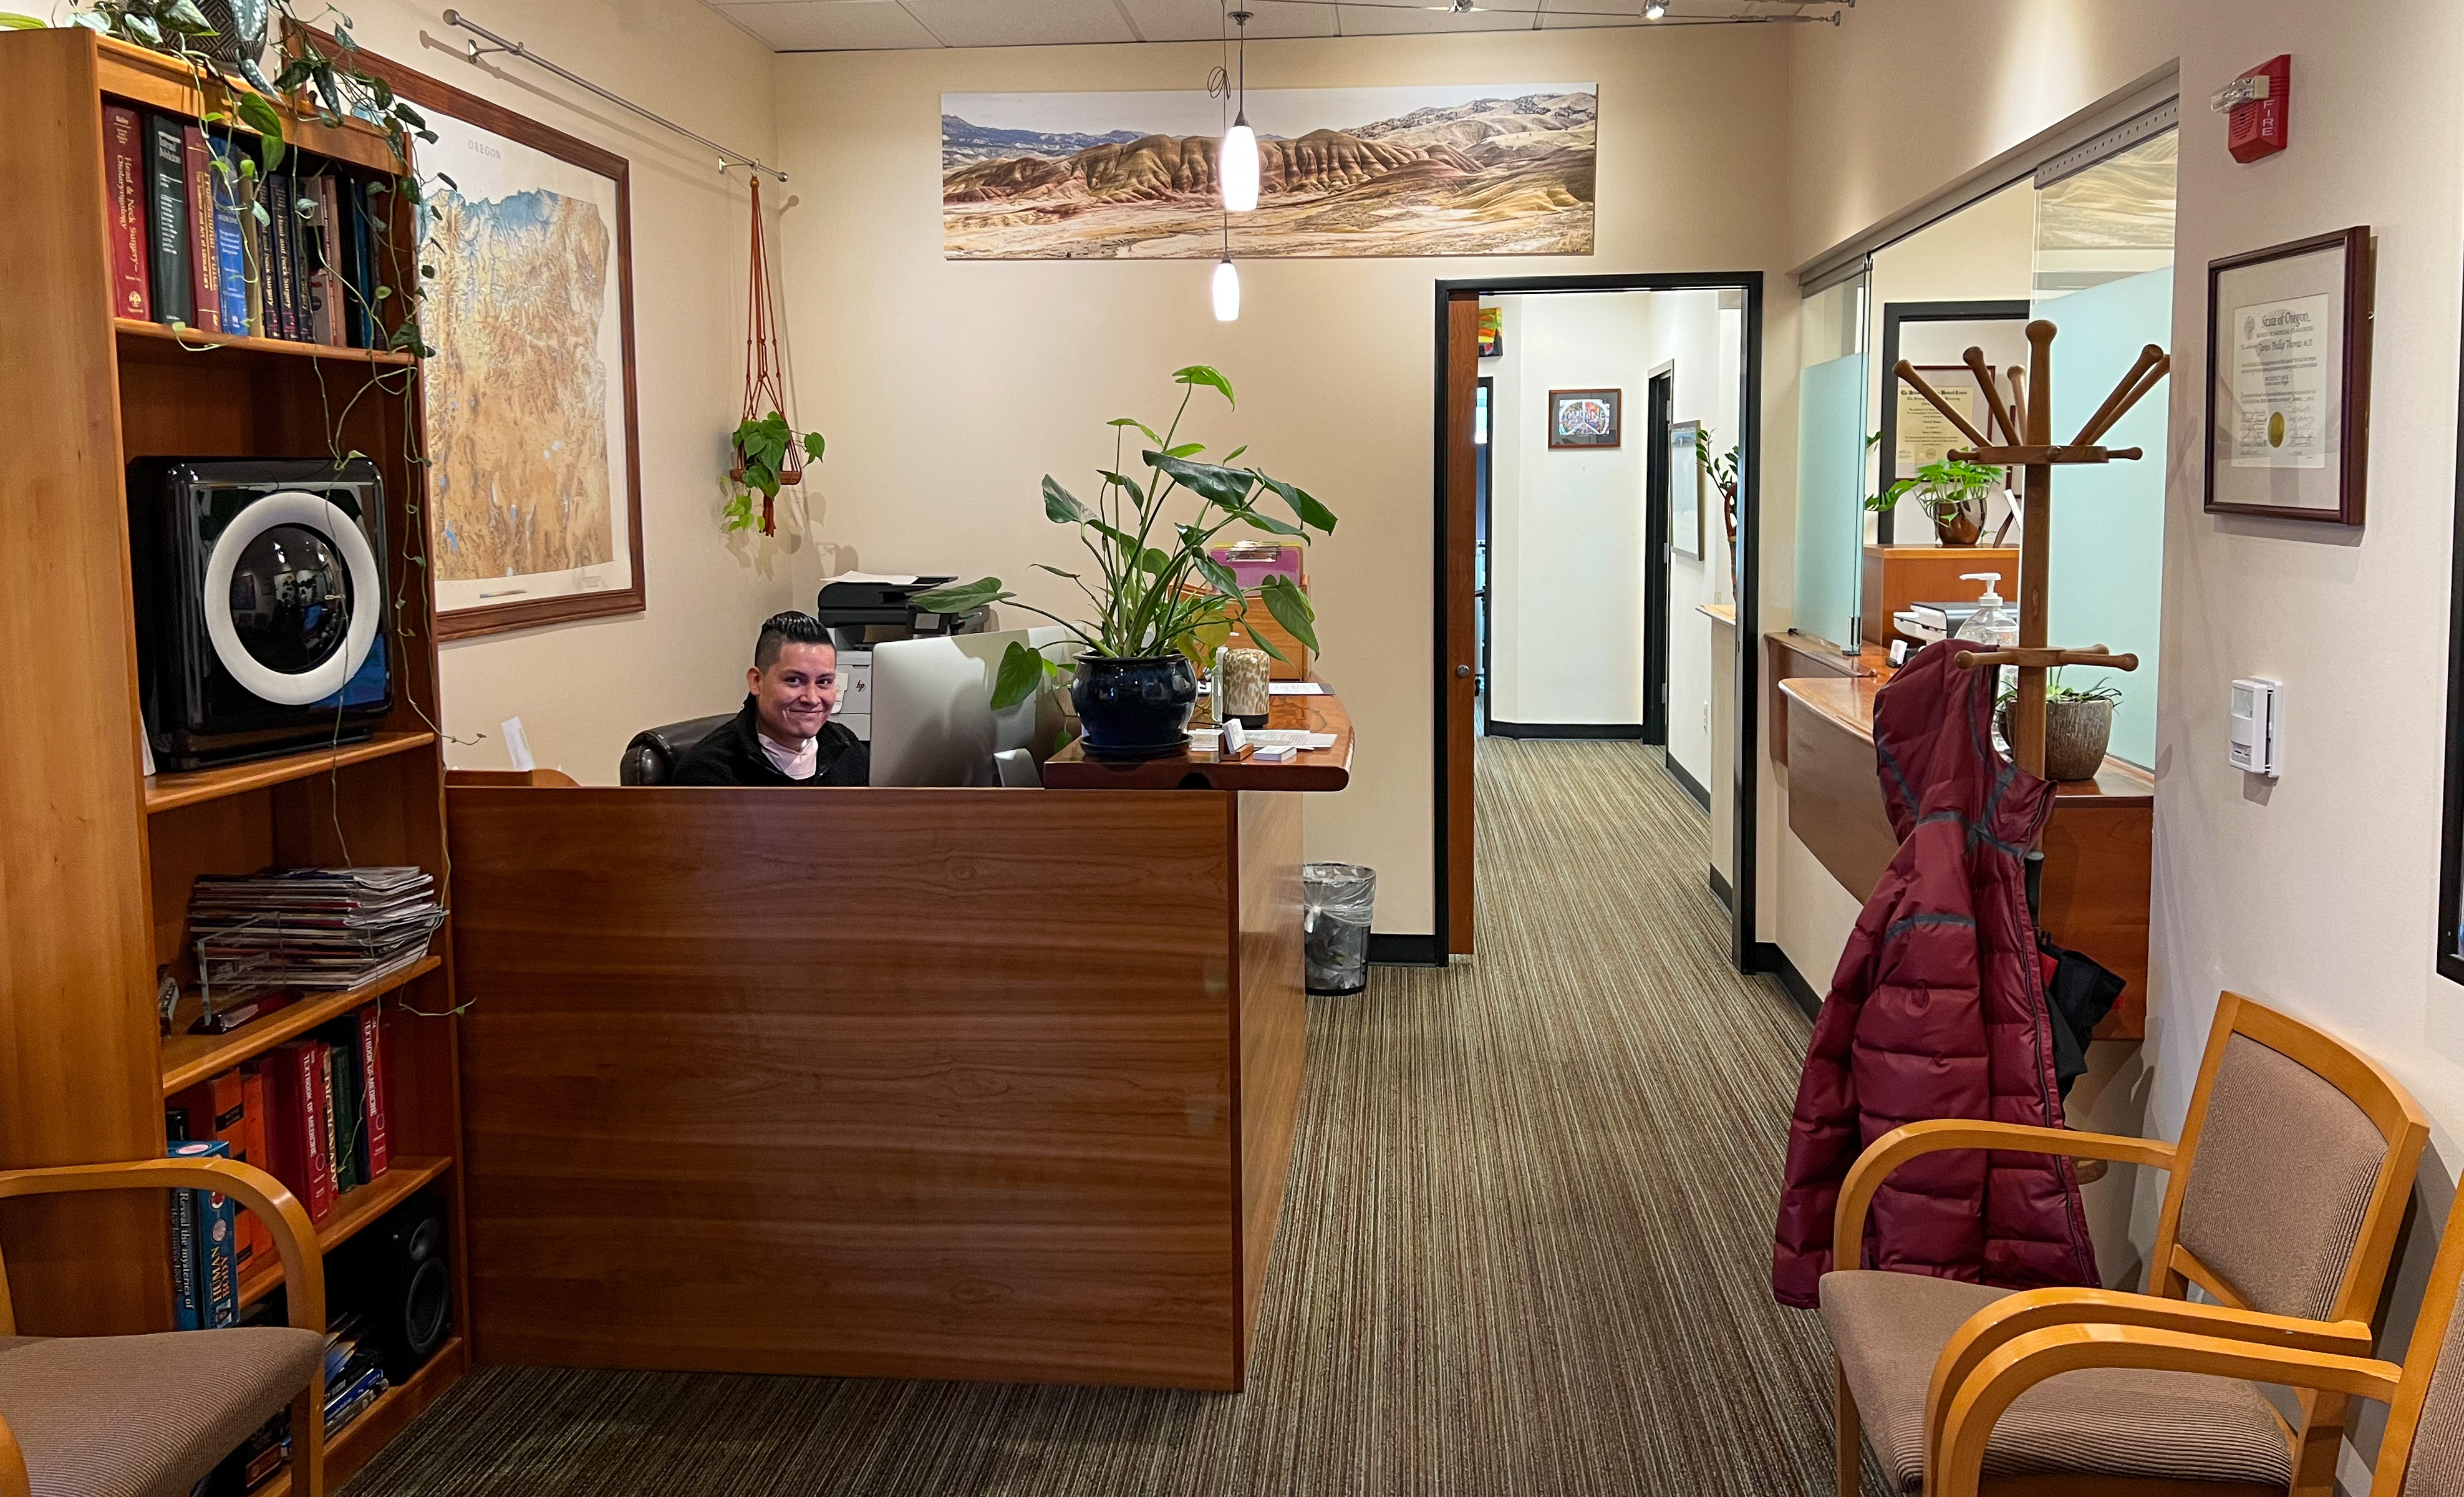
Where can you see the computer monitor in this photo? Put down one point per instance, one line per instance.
(932, 717)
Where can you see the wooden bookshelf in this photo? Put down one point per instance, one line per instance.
(197, 341)
(400, 1180)
(364, 1437)
(192, 1058)
(169, 792)
(85, 1076)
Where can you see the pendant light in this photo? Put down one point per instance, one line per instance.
(1227, 280)
(1237, 164)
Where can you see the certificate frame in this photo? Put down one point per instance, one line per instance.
(2337, 269)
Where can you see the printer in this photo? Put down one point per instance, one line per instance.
(861, 611)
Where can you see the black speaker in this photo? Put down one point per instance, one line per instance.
(397, 1276)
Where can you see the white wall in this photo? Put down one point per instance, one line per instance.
(583, 690)
(977, 378)
(2317, 893)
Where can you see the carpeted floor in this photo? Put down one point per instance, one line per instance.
(1526, 1248)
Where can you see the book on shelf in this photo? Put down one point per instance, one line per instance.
(376, 1152)
(167, 185)
(205, 257)
(217, 1109)
(342, 1115)
(296, 1125)
(326, 279)
(352, 229)
(125, 205)
(229, 191)
(275, 230)
(251, 192)
(253, 1124)
(204, 1268)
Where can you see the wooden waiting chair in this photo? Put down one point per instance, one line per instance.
(149, 1416)
(2420, 1455)
(2286, 1193)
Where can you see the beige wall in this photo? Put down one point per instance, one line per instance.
(583, 690)
(977, 378)
(2317, 893)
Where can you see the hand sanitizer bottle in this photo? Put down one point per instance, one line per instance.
(1993, 622)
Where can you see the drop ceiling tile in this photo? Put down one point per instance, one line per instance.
(829, 25)
(1197, 20)
(1022, 23)
(1397, 19)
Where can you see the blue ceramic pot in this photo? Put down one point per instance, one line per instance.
(1134, 709)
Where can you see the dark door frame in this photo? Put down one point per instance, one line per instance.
(1895, 312)
(1659, 415)
(1748, 954)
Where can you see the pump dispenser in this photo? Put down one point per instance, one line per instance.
(1993, 622)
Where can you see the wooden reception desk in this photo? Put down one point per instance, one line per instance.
(900, 1083)
(2097, 844)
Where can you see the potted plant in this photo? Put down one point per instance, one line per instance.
(763, 464)
(1156, 591)
(2078, 725)
(1953, 493)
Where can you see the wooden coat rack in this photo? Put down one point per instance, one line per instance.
(2026, 421)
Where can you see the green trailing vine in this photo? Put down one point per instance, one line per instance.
(761, 449)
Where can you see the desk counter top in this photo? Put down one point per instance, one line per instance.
(1312, 769)
(1848, 700)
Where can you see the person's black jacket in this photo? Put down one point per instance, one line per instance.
(732, 756)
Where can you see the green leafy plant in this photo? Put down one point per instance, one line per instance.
(761, 449)
(1946, 487)
(2103, 691)
(1155, 589)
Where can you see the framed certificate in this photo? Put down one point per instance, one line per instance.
(2289, 379)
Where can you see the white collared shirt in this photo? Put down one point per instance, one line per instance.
(796, 764)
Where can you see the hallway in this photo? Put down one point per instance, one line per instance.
(1524, 1249)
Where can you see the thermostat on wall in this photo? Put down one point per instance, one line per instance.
(2257, 725)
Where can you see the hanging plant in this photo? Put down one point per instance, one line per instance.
(770, 451)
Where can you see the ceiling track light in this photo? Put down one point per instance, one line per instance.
(1654, 11)
(1237, 164)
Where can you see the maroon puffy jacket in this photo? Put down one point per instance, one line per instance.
(1938, 1010)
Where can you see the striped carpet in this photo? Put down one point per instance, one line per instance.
(1526, 1247)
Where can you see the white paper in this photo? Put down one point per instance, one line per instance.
(517, 745)
(1295, 689)
(1291, 738)
(2281, 384)
(883, 578)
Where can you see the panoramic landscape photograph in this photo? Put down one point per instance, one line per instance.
(1460, 169)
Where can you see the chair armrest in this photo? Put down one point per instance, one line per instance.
(1907, 1141)
(1955, 1463)
(2007, 1320)
(295, 1236)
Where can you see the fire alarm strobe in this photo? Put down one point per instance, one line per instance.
(2256, 107)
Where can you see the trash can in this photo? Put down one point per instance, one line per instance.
(1336, 899)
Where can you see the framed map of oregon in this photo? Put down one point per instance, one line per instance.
(533, 484)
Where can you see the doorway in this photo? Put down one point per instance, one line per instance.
(1478, 421)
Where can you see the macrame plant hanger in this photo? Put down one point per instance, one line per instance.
(2026, 421)
(768, 383)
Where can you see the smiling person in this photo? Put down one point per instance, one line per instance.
(784, 736)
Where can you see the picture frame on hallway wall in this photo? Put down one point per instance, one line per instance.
(1685, 488)
(533, 483)
(1493, 332)
(2289, 380)
(1586, 418)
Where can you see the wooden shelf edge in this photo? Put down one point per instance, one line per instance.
(128, 71)
(401, 1179)
(192, 1058)
(168, 792)
(375, 1428)
(200, 339)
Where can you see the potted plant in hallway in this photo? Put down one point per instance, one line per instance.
(1155, 589)
(1953, 493)
(2078, 725)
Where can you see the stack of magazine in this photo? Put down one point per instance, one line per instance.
(325, 928)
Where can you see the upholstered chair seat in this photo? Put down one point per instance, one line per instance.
(144, 1415)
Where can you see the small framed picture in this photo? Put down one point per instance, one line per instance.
(2289, 379)
(1493, 332)
(1586, 418)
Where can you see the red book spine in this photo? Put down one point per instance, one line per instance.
(296, 1128)
(123, 153)
(205, 279)
(372, 1089)
(320, 1133)
(252, 1091)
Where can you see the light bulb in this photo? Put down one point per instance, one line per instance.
(1654, 11)
(1238, 168)
(1227, 292)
